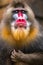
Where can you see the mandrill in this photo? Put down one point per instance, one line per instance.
(21, 36)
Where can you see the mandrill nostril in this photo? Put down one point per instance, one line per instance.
(20, 20)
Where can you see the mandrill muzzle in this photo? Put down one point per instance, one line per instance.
(21, 23)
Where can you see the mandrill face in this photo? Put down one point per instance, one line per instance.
(19, 23)
(20, 26)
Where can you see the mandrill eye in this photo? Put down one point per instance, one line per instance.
(25, 14)
(15, 14)
(23, 11)
(15, 11)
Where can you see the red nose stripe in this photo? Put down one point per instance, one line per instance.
(20, 14)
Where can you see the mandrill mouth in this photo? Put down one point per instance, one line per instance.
(20, 23)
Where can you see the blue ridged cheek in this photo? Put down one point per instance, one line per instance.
(15, 16)
(25, 16)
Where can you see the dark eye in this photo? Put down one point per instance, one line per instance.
(15, 14)
(15, 11)
(23, 11)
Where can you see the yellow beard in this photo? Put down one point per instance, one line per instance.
(20, 34)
